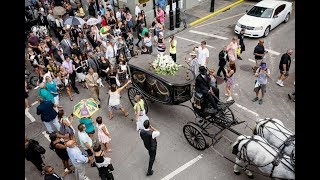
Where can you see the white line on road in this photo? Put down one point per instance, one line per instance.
(252, 60)
(273, 52)
(226, 138)
(183, 167)
(194, 41)
(46, 135)
(216, 151)
(34, 103)
(208, 34)
(219, 20)
(246, 109)
(32, 119)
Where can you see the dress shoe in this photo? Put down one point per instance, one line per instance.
(150, 173)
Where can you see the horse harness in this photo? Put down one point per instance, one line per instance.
(275, 162)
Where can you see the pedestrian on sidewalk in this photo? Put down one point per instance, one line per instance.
(232, 49)
(241, 42)
(230, 70)
(86, 142)
(114, 99)
(259, 53)
(262, 74)
(91, 80)
(222, 62)
(48, 115)
(148, 135)
(78, 159)
(103, 163)
(160, 15)
(104, 136)
(203, 54)
(161, 45)
(50, 174)
(60, 148)
(33, 153)
(173, 48)
(68, 65)
(284, 67)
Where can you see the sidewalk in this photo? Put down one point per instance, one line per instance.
(195, 13)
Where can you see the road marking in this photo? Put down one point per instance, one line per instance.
(226, 138)
(246, 109)
(252, 60)
(34, 103)
(208, 34)
(36, 87)
(273, 52)
(194, 41)
(46, 135)
(219, 20)
(27, 113)
(183, 167)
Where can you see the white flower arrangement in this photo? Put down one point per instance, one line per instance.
(164, 65)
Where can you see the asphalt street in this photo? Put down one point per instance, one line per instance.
(176, 159)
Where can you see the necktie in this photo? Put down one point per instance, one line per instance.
(67, 42)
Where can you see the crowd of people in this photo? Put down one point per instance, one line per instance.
(72, 55)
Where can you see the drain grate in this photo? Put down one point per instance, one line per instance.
(246, 67)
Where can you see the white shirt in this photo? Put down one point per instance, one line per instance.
(59, 23)
(118, 15)
(76, 156)
(50, 17)
(154, 133)
(109, 52)
(203, 54)
(137, 10)
(83, 138)
(114, 99)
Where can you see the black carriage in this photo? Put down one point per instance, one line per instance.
(175, 90)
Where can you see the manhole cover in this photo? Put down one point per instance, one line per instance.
(34, 129)
(246, 67)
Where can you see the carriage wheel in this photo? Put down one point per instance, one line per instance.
(132, 92)
(194, 136)
(227, 117)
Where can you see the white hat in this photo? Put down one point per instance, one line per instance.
(193, 53)
(41, 9)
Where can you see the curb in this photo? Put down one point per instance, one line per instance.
(215, 13)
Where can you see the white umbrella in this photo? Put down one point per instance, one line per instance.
(74, 21)
(92, 21)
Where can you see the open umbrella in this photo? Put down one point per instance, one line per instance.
(105, 29)
(85, 108)
(74, 21)
(59, 11)
(92, 21)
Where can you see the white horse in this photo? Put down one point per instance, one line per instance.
(39, 31)
(256, 151)
(277, 135)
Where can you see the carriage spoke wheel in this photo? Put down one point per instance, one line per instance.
(132, 92)
(225, 117)
(194, 137)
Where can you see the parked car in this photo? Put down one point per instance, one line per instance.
(263, 17)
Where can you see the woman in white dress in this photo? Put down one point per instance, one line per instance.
(140, 112)
(114, 99)
(103, 134)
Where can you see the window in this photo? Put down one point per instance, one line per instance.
(262, 12)
(279, 9)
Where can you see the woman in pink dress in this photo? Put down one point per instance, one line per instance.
(103, 134)
(232, 49)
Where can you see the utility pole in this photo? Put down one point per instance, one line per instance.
(177, 14)
(171, 16)
(212, 6)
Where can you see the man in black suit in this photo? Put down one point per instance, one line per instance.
(203, 87)
(148, 135)
(222, 62)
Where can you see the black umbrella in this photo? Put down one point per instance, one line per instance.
(74, 21)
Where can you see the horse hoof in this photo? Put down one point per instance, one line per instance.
(237, 173)
(250, 176)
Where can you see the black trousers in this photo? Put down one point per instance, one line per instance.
(223, 71)
(211, 100)
(216, 91)
(38, 163)
(73, 81)
(174, 57)
(152, 154)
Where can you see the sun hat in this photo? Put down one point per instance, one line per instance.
(193, 53)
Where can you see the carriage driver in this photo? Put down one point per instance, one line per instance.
(202, 86)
